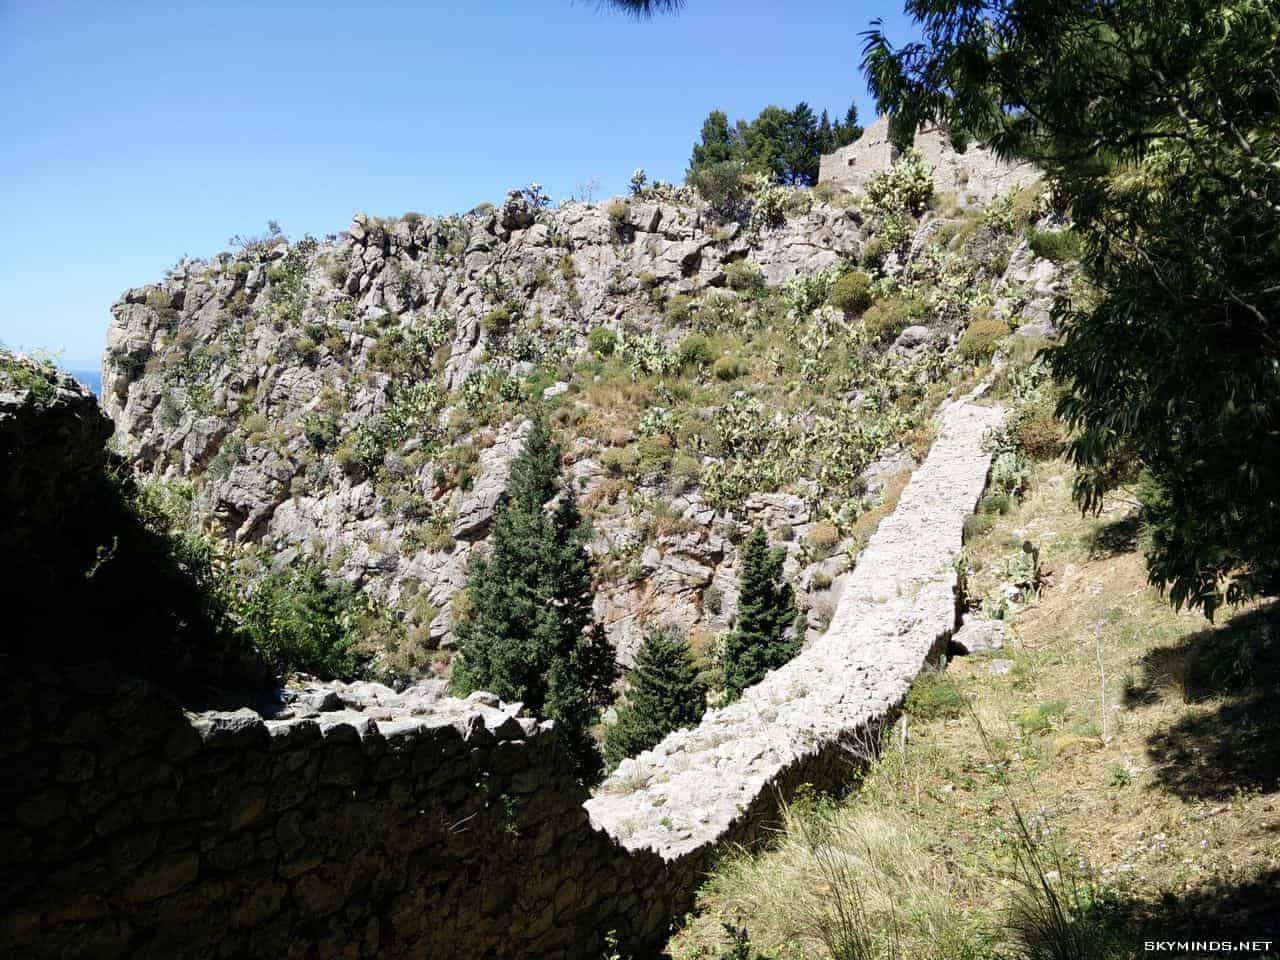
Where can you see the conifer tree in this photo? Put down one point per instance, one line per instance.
(665, 694)
(531, 636)
(717, 145)
(803, 148)
(847, 130)
(766, 608)
(826, 135)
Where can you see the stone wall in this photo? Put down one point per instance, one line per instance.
(355, 821)
(131, 828)
(976, 175)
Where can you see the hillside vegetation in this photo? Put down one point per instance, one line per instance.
(1108, 776)
(351, 406)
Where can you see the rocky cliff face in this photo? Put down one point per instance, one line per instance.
(358, 400)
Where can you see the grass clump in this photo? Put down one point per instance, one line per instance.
(1056, 245)
(981, 337)
(933, 695)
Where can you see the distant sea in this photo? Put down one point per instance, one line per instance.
(90, 378)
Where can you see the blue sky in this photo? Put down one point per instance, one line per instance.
(136, 132)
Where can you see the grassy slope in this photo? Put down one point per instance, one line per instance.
(1140, 745)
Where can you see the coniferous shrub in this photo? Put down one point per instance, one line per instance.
(530, 635)
(664, 694)
(766, 609)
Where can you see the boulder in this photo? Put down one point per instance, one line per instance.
(979, 637)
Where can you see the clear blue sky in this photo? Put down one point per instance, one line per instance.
(135, 132)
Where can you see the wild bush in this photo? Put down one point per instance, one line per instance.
(601, 341)
(887, 318)
(851, 292)
(744, 276)
(981, 337)
(729, 368)
(301, 621)
(696, 351)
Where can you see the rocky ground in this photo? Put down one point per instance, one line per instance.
(357, 400)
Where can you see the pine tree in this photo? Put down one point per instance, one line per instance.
(665, 694)
(531, 636)
(826, 135)
(802, 151)
(765, 142)
(847, 130)
(717, 145)
(766, 608)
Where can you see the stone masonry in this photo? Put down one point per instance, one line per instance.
(977, 175)
(355, 821)
(809, 720)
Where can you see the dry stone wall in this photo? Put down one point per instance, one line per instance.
(355, 821)
(440, 829)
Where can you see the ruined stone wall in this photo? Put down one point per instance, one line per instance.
(977, 175)
(355, 821)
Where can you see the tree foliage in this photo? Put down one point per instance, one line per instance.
(759, 641)
(531, 637)
(300, 620)
(1159, 127)
(664, 694)
(783, 145)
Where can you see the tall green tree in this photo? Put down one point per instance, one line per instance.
(664, 694)
(759, 641)
(530, 636)
(717, 144)
(1158, 124)
(765, 142)
(826, 134)
(803, 149)
(847, 130)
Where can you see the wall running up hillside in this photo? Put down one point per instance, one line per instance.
(357, 822)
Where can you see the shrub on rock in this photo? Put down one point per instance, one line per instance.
(851, 292)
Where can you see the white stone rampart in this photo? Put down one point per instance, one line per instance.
(701, 787)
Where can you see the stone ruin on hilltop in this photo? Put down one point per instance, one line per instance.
(976, 175)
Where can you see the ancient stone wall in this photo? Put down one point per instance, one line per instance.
(355, 821)
(976, 175)
(131, 828)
